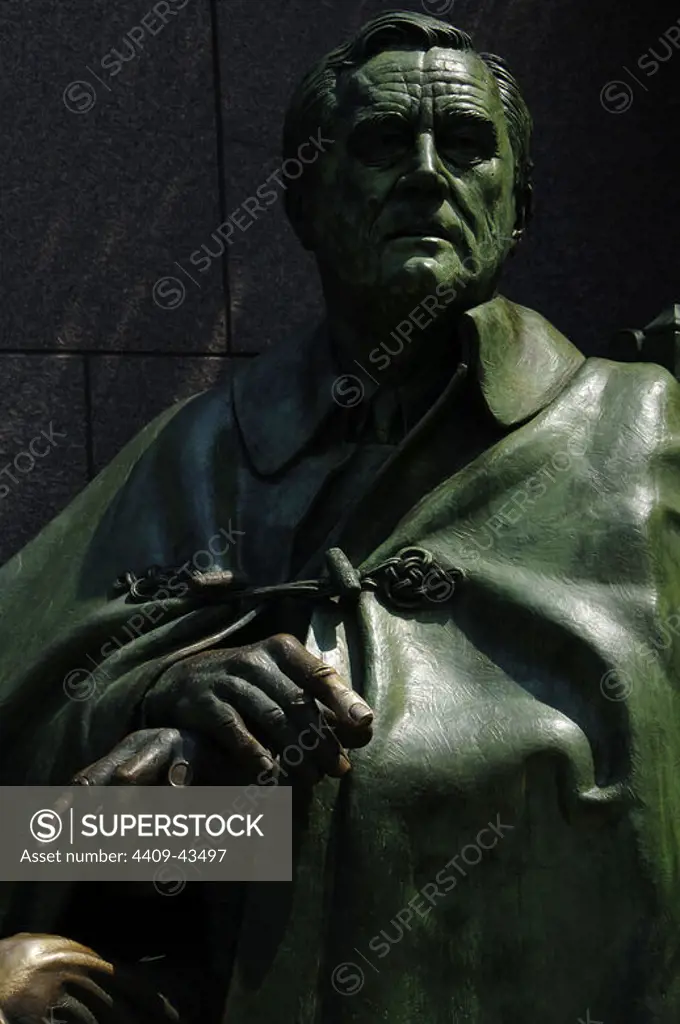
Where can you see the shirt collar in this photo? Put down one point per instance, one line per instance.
(282, 397)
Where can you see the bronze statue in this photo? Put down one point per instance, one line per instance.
(433, 533)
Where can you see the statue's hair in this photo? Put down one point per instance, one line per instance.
(314, 102)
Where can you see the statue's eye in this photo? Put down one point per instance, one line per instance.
(465, 142)
(379, 140)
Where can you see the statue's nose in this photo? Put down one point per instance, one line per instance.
(426, 173)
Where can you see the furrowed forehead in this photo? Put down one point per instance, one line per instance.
(403, 78)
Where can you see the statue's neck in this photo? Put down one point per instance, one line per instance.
(402, 353)
(404, 371)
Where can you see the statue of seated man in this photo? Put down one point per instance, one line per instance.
(433, 532)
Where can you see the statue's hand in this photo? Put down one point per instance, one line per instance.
(241, 709)
(47, 978)
(156, 757)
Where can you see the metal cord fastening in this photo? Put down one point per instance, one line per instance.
(408, 580)
(412, 579)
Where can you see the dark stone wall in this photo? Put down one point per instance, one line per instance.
(128, 135)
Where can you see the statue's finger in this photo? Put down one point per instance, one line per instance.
(267, 721)
(354, 737)
(287, 719)
(102, 771)
(321, 681)
(150, 765)
(118, 999)
(222, 724)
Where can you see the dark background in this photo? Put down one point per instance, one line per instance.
(98, 205)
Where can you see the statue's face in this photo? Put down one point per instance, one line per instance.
(418, 189)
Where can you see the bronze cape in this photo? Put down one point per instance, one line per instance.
(541, 697)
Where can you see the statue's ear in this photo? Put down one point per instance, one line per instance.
(524, 206)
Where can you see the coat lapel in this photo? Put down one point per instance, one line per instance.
(521, 361)
(514, 361)
(283, 398)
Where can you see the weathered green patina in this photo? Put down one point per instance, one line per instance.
(534, 704)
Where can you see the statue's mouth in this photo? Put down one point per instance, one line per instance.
(426, 232)
(428, 227)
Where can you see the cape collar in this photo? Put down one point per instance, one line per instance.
(281, 398)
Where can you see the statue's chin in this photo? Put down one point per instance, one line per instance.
(416, 274)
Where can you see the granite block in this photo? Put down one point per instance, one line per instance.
(43, 458)
(109, 176)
